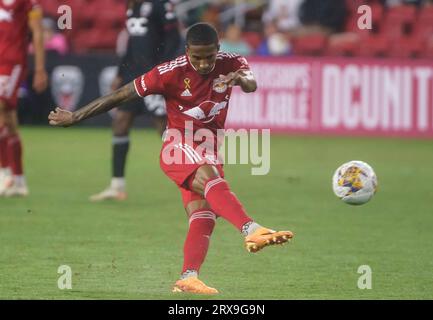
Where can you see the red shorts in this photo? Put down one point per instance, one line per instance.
(10, 79)
(180, 161)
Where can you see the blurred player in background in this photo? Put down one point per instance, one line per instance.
(153, 38)
(17, 18)
(197, 87)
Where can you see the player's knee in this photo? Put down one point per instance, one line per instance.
(2, 107)
(193, 206)
(10, 122)
(202, 176)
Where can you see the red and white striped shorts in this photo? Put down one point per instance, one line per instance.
(180, 161)
(10, 79)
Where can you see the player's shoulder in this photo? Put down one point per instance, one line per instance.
(228, 56)
(230, 59)
(222, 55)
(175, 65)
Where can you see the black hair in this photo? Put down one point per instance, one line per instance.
(202, 34)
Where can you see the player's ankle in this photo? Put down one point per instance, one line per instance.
(188, 274)
(19, 181)
(249, 228)
(5, 172)
(118, 183)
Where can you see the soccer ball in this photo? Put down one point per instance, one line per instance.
(354, 182)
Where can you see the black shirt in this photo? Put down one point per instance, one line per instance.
(153, 37)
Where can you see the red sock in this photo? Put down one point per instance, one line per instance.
(3, 147)
(224, 202)
(201, 225)
(14, 152)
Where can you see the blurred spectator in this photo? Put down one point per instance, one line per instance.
(324, 16)
(211, 15)
(285, 13)
(54, 41)
(233, 42)
(274, 43)
(278, 45)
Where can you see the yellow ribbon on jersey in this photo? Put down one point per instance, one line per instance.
(187, 82)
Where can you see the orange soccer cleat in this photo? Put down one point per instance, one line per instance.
(193, 285)
(263, 237)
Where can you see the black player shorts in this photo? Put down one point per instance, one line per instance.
(153, 105)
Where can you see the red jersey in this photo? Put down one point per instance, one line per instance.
(14, 17)
(190, 96)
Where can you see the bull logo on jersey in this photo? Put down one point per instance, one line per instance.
(219, 85)
(5, 16)
(67, 83)
(206, 111)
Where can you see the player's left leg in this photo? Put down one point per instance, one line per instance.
(201, 224)
(18, 187)
(208, 182)
(121, 126)
(5, 173)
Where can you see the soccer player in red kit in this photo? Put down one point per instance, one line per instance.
(17, 18)
(197, 89)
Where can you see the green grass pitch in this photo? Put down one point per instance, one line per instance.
(133, 250)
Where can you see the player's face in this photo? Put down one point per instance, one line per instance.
(202, 58)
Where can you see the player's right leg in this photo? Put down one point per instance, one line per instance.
(10, 141)
(5, 172)
(201, 220)
(122, 123)
(208, 182)
(17, 186)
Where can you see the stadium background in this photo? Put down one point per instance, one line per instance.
(120, 250)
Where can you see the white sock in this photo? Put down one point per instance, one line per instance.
(20, 181)
(5, 172)
(189, 273)
(118, 184)
(249, 228)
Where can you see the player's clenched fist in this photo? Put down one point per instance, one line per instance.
(243, 78)
(61, 118)
(231, 79)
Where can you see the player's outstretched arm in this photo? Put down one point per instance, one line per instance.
(63, 118)
(243, 78)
